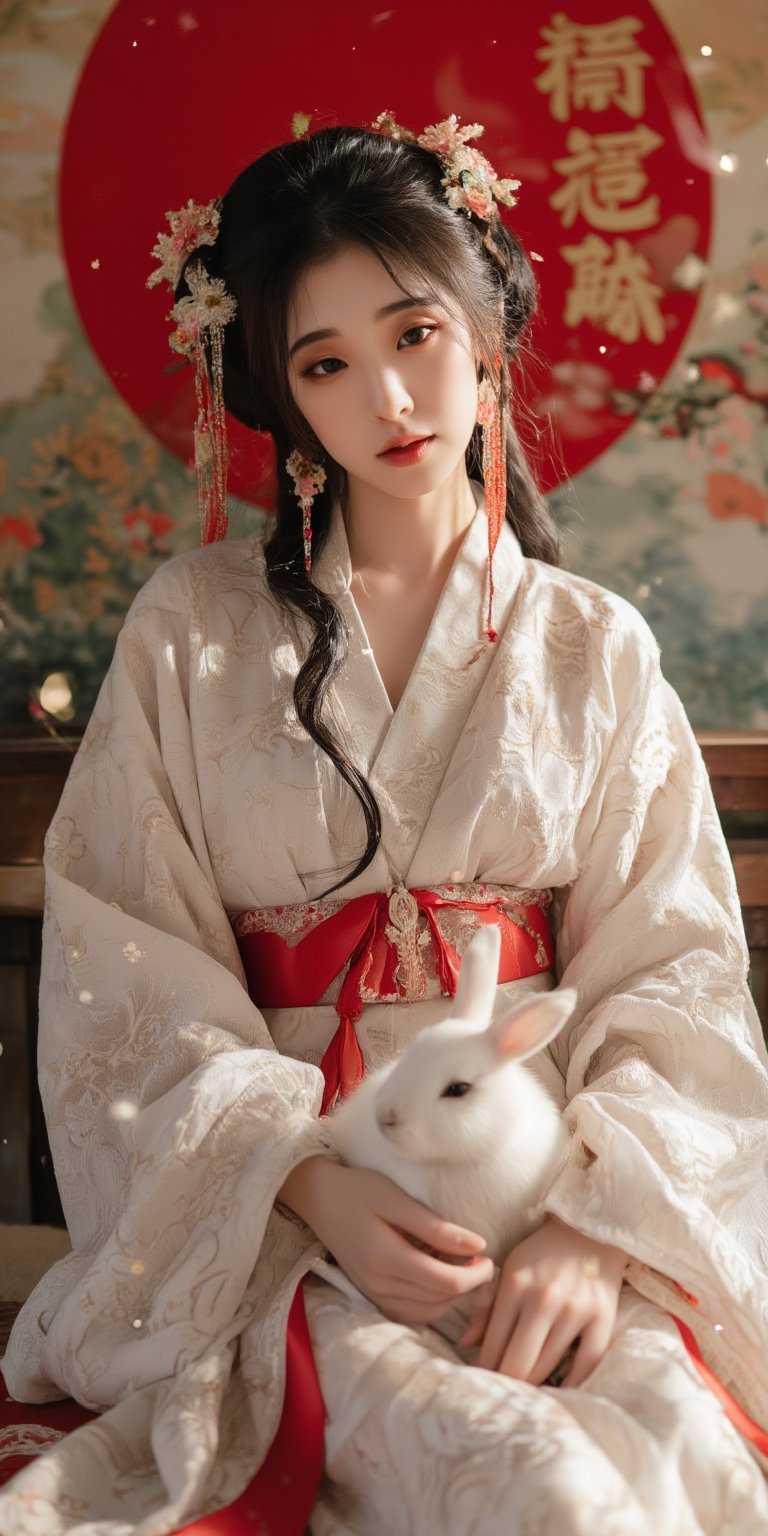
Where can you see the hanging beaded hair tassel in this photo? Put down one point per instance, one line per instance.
(200, 319)
(489, 414)
(308, 480)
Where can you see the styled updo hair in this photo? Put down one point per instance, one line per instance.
(300, 204)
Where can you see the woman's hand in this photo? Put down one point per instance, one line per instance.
(555, 1286)
(378, 1235)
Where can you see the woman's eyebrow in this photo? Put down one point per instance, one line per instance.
(381, 314)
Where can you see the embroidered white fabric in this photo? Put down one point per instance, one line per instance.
(557, 758)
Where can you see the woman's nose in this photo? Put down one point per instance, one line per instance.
(390, 397)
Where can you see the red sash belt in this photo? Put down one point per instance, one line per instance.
(382, 942)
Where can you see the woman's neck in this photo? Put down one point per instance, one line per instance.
(409, 538)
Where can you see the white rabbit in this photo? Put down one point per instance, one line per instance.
(457, 1121)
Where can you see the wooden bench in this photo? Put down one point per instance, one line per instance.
(737, 764)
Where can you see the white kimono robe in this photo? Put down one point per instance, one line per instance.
(555, 758)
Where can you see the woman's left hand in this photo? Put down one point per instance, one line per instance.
(555, 1287)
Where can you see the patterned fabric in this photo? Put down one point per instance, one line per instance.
(557, 759)
(280, 1497)
(27, 1432)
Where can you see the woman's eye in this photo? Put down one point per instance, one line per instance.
(419, 332)
(328, 366)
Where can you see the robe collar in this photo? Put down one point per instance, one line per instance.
(404, 753)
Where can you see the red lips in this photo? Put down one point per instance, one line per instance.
(406, 449)
(403, 442)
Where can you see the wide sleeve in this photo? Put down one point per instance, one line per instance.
(664, 1061)
(172, 1118)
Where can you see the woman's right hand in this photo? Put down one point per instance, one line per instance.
(372, 1228)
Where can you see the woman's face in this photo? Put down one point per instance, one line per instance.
(386, 366)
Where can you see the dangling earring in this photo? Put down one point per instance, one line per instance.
(494, 471)
(308, 480)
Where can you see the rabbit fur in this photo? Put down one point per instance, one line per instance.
(485, 1155)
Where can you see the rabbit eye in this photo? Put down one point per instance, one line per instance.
(456, 1090)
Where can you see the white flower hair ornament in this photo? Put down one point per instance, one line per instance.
(199, 318)
(207, 307)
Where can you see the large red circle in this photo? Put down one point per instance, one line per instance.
(172, 103)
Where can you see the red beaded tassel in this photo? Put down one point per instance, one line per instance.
(211, 439)
(308, 480)
(494, 473)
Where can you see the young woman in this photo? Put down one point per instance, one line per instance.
(317, 764)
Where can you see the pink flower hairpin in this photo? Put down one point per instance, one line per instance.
(470, 181)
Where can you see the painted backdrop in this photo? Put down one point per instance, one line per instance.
(639, 135)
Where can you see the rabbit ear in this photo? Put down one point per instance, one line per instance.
(532, 1024)
(478, 976)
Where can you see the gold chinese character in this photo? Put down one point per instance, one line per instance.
(612, 288)
(590, 67)
(604, 170)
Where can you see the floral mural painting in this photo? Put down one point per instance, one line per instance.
(92, 520)
(660, 468)
(89, 503)
(675, 515)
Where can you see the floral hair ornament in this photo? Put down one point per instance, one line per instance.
(200, 318)
(470, 181)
